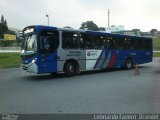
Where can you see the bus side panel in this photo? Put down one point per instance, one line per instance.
(94, 58)
(122, 55)
(144, 57)
(107, 58)
(65, 55)
(112, 59)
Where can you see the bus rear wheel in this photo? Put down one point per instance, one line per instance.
(70, 69)
(128, 64)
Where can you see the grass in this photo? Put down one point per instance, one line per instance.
(9, 60)
(156, 54)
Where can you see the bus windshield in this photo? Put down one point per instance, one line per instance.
(30, 43)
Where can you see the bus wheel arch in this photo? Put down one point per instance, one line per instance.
(71, 67)
(128, 63)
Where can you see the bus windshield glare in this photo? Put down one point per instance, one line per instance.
(30, 43)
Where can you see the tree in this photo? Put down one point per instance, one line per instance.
(102, 29)
(10, 32)
(3, 29)
(5, 22)
(153, 32)
(89, 25)
(2, 19)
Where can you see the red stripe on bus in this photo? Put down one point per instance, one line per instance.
(111, 63)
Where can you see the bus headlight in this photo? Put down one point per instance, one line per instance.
(34, 60)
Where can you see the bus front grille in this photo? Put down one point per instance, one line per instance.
(24, 67)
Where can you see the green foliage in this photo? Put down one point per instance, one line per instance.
(156, 54)
(89, 25)
(11, 43)
(156, 43)
(5, 22)
(3, 26)
(102, 29)
(3, 29)
(153, 32)
(6, 43)
(2, 19)
(10, 32)
(8, 60)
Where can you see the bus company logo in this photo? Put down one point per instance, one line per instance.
(91, 53)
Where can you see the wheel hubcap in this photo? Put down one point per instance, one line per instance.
(71, 69)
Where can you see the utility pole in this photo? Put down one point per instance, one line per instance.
(108, 17)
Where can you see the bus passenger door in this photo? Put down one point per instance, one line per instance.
(49, 41)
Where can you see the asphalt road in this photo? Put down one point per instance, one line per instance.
(110, 91)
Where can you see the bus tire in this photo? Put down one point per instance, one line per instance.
(70, 68)
(128, 64)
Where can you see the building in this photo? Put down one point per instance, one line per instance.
(9, 37)
(114, 28)
(129, 32)
(120, 30)
(146, 34)
(18, 32)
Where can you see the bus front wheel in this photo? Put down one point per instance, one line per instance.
(70, 69)
(128, 64)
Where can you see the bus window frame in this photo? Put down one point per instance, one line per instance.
(42, 48)
(62, 40)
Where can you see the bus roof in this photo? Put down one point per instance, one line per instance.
(39, 27)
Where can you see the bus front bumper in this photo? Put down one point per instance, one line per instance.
(31, 67)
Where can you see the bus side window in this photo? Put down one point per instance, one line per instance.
(99, 42)
(69, 40)
(148, 44)
(136, 43)
(141, 44)
(130, 43)
(144, 44)
(108, 42)
(86, 41)
(120, 43)
(124, 44)
(112, 42)
(82, 41)
(49, 40)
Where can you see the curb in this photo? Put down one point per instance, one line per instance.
(6, 69)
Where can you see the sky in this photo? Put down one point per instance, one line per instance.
(133, 14)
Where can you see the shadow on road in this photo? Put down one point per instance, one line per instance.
(61, 76)
(44, 77)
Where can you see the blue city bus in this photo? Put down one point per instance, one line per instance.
(53, 50)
